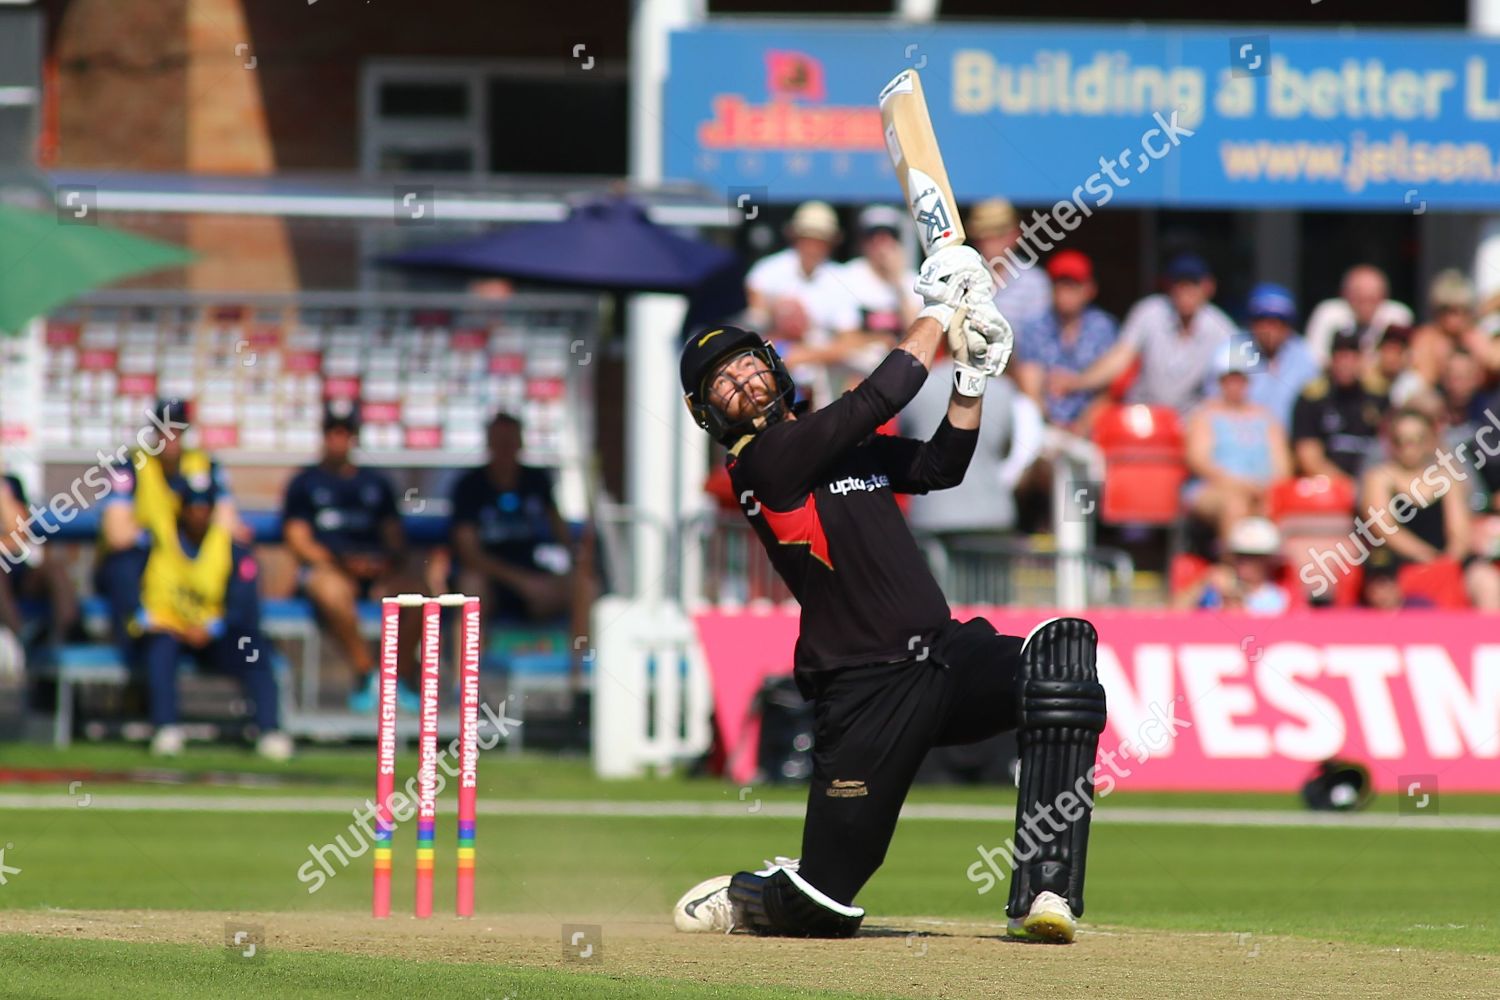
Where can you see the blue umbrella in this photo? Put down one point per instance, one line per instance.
(608, 245)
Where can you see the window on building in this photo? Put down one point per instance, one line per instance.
(505, 117)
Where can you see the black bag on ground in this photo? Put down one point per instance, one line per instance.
(784, 753)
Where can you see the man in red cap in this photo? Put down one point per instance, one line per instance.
(1070, 337)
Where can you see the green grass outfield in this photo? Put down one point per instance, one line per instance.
(1420, 887)
(69, 969)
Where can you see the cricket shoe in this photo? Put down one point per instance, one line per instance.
(365, 698)
(275, 746)
(1050, 921)
(168, 741)
(707, 907)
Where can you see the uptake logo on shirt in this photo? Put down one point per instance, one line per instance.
(850, 484)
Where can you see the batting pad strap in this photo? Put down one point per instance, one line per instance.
(1063, 704)
(785, 904)
(812, 893)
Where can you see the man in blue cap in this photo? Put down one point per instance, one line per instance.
(1279, 362)
(1174, 334)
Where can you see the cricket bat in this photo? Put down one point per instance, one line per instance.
(919, 163)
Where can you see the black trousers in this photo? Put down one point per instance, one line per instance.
(875, 723)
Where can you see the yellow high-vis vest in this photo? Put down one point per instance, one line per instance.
(178, 590)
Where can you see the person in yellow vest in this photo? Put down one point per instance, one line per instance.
(141, 505)
(198, 599)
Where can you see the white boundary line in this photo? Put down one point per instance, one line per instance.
(580, 809)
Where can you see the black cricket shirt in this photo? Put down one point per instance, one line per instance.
(820, 493)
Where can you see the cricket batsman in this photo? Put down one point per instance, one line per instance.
(889, 670)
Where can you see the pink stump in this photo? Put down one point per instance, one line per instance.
(385, 757)
(432, 625)
(468, 753)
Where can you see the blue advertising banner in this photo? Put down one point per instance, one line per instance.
(1190, 117)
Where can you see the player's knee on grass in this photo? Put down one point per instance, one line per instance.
(781, 903)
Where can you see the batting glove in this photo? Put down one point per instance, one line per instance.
(970, 358)
(986, 322)
(955, 276)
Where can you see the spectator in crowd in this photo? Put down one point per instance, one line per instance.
(141, 507)
(825, 329)
(805, 272)
(1381, 586)
(1245, 580)
(1235, 450)
(1010, 440)
(881, 278)
(1021, 288)
(512, 546)
(1389, 372)
(1336, 421)
(1487, 345)
(1459, 405)
(29, 572)
(1452, 328)
(881, 282)
(1280, 363)
(342, 525)
(198, 599)
(1175, 335)
(1069, 337)
(1421, 510)
(1363, 306)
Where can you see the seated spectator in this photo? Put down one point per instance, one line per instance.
(1381, 586)
(198, 599)
(881, 283)
(1459, 406)
(141, 507)
(1363, 306)
(342, 525)
(1281, 365)
(1245, 579)
(1175, 335)
(1010, 440)
(1235, 450)
(881, 278)
(1486, 345)
(827, 322)
(27, 572)
(1421, 510)
(805, 272)
(1452, 328)
(1388, 372)
(1070, 336)
(1336, 422)
(1021, 289)
(512, 546)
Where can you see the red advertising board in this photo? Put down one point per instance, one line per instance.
(1226, 702)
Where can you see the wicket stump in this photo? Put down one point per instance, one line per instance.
(427, 755)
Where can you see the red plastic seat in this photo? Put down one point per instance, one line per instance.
(1144, 467)
(1311, 496)
(1441, 581)
(1184, 570)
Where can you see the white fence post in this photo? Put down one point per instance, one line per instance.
(652, 694)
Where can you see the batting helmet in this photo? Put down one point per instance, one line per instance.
(702, 356)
